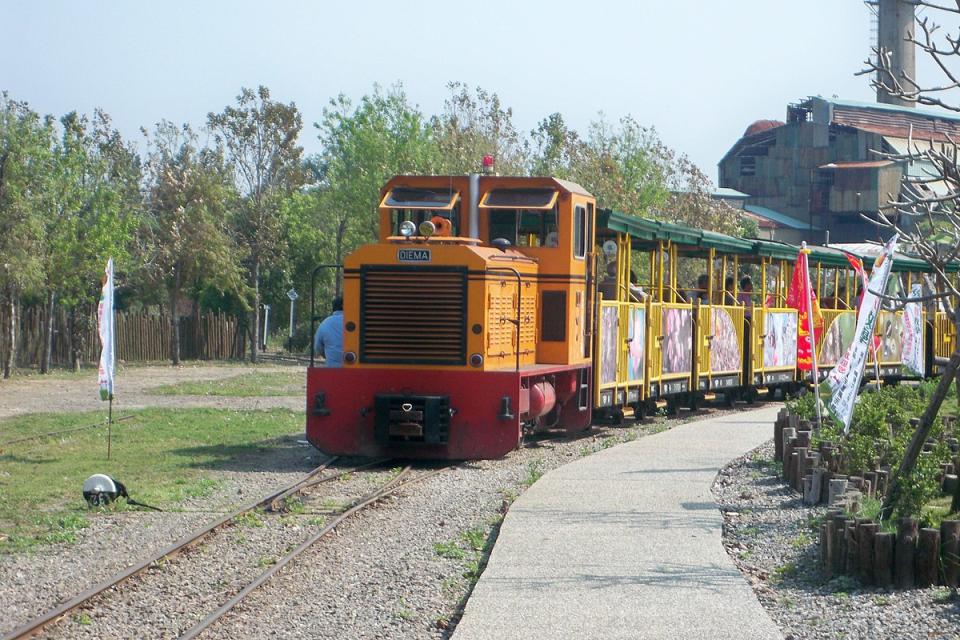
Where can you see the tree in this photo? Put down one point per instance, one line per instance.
(625, 166)
(928, 222)
(24, 159)
(363, 147)
(95, 210)
(691, 200)
(260, 138)
(556, 149)
(188, 189)
(475, 124)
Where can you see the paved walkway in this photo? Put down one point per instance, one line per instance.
(625, 543)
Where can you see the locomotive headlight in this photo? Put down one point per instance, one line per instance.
(407, 228)
(427, 228)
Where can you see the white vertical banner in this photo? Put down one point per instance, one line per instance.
(913, 333)
(105, 321)
(843, 383)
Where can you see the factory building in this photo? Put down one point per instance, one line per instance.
(829, 162)
(811, 176)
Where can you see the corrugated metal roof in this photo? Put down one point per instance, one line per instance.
(891, 120)
(781, 219)
(727, 192)
(892, 108)
(854, 164)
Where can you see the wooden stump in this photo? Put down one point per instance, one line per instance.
(949, 484)
(794, 467)
(928, 557)
(906, 553)
(851, 549)
(811, 487)
(866, 532)
(827, 454)
(883, 482)
(801, 471)
(788, 435)
(803, 438)
(826, 548)
(883, 544)
(870, 482)
(838, 486)
(825, 486)
(839, 544)
(950, 538)
(778, 427)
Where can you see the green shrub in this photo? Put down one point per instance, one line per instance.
(879, 435)
(802, 405)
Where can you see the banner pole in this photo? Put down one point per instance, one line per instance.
(109, 425)
(813, 335)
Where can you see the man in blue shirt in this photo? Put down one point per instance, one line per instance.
(328, 342)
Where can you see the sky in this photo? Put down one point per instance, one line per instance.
(698, 71)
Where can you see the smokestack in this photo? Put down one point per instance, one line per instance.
(896, 21)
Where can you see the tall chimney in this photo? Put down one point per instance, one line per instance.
(896, 21)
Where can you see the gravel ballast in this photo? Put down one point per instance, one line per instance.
(772, 537)
(400, 569)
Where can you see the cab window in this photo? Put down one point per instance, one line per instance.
(441, 206)
(579, 232)
(525, 228)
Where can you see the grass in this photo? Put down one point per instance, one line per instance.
(936, 511)
(783, 571)
(163, 456)
(475, 538)
(404, 612)
(449, 550)
(942, 595)
(534, 473)
(245, 385)
(250, 519)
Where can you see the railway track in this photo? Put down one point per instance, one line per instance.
(275, 502)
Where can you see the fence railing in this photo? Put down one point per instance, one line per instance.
(140, 337)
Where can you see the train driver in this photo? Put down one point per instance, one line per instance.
(328, 341)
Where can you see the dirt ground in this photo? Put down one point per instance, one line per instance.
(33, 394)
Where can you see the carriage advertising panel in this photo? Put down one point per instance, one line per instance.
(725, 347)
(608, 343)
(837, 339)
(780, 340)
(677, 340)
(636, 345)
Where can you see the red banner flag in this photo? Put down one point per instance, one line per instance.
(798, 295)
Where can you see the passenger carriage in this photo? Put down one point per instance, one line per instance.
(491, 307)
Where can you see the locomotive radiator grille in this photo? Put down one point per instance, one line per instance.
(413, 315)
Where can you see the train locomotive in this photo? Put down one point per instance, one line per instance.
(492, 306)
(467, 322)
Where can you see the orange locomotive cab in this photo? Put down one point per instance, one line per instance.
(465, 324)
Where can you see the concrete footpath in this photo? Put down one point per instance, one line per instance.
(625, 543)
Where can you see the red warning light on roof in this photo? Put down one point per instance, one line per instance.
(487, 161)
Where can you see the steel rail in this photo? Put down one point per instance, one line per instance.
(39, 623)
(396, 483)
(310, 482)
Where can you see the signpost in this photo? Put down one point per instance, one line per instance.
(292, 294)
(266, 325)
